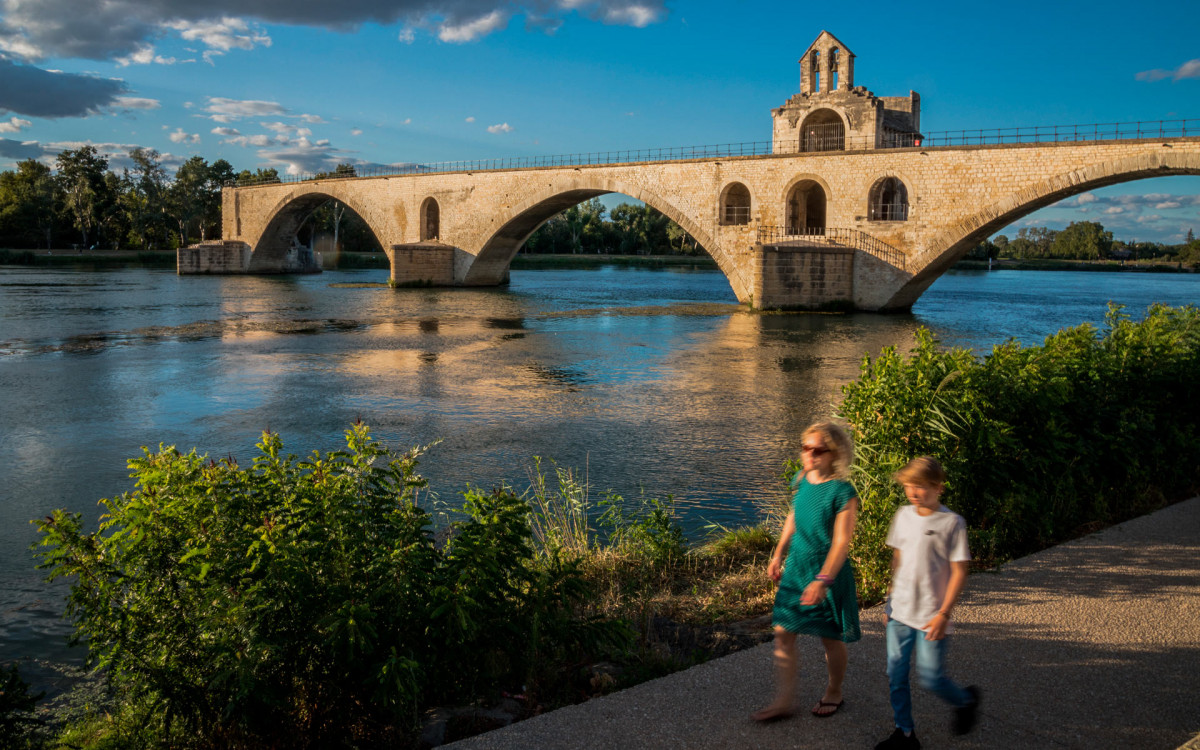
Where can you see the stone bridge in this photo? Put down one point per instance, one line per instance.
(851, 203)
(464, 228)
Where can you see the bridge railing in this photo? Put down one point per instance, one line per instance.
(829, 236)
(1141, 130)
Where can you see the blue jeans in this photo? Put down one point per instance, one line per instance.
(931, 659)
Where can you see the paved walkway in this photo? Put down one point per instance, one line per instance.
(1092, 644)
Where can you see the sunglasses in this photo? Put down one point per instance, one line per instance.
(814, 450)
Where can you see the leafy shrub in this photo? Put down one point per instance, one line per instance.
(1040, 443)
(16, 709)
(304, 603)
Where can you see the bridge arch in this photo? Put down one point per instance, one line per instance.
(515, 226)
(948, 246)
(806, 202)
(736, 204)
(431, 219)
(288, 214)
(887, 200)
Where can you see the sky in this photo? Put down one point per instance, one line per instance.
(302, 85)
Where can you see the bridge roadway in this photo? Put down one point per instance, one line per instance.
(464, 228)
(1092, 644)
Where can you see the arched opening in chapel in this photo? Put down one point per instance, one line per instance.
(823, 130)
(430, 220)
(806, 203)
(888, 200)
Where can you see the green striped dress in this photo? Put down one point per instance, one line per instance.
(836, 616)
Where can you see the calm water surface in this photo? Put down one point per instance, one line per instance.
(646, 381)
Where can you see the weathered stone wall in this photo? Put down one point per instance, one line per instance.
(957, 196)
(213, 258)
(802, 278)
(423, 264)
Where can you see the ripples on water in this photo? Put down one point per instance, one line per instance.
(649, 381)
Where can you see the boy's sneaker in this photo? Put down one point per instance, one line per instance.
(899, 741)
(964, 718)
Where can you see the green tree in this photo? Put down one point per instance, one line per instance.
(220, 174)
(144, 198)
(81, 174)
(29, 203)
(1082, 240)
(189, 197)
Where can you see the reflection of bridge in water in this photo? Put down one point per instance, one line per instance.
(849, 201)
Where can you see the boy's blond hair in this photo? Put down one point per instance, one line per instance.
(838, 441)
(925, 470)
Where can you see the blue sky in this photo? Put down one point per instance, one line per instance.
(305, 84)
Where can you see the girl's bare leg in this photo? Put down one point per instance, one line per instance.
(786, 663)
(836, 657)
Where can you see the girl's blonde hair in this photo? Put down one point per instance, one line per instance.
(925, 470)
(837, 440)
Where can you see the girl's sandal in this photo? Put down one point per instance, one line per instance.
(821, 711)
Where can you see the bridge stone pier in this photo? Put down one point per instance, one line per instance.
(857, 208)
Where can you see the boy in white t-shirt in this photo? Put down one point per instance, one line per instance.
(929, 570)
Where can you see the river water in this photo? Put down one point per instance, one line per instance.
(645, 381)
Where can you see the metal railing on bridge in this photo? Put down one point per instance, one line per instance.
(829, 237)
(1140, 130)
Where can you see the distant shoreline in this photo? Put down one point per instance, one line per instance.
(545, 262)
(1058, 264)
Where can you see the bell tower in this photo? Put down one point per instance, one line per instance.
(830, 113)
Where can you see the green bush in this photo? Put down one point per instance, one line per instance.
(1040, 443)
(17, 718)
(304, 603)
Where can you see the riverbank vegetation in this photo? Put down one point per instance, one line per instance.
(1084, 241)
(310, 602)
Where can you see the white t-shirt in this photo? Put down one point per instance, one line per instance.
(927, 544)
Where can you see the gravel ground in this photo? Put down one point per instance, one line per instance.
(1092, 644)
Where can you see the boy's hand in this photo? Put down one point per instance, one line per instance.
(935, 629)
(775, 569)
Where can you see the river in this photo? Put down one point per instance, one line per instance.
(644, 381)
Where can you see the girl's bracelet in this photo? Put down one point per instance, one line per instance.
(823, 578)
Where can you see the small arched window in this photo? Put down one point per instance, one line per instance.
(735, 204)
(430, 220)
(888, 200)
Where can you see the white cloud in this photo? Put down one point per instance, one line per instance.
(250, 140)
(312, 119)
(1148, 219)
(222, 35)
(638, 16)
(1167, 204)
(227, 110)
(144, 55)
(1190, 69)
(356, 131)
(14, 125)
(226, 132)
(474, 29)
(470, 119)
(406, 121)
(179, 136)
(503, 127)
(407, 35)
(134, 102)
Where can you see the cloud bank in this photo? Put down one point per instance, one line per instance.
(125, 30)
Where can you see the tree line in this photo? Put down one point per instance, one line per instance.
(1083, 240)
(628, 230)
(81, 203)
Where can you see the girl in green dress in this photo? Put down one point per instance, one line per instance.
(816, 585)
